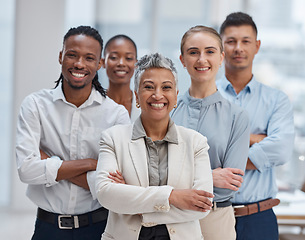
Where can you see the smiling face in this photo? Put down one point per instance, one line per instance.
(240, 46)
(202, 57)
(119, 62)
(157, 94)
(80, 60)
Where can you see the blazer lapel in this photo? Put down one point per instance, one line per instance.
(176, 157)
(139, 158)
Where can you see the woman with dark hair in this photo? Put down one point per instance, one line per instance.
(120, 56)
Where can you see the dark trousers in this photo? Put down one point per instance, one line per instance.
(158, 232)
(258, 226)
(48, 231)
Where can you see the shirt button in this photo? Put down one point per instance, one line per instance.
(172, 231)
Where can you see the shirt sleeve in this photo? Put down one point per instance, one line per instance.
(276, 148)
(31, 169)
(122, 116)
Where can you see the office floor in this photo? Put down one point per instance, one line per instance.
(17, 225)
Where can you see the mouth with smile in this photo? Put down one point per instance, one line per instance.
(202, 69)
(121, 73)
(157, 105)
(78, 75)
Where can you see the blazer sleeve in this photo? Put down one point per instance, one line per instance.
(124, 198)
(202, 180)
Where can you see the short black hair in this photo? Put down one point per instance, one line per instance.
(238, 19)
(90, 32)
(120, 36)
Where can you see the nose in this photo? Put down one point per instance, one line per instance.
(79, 63)
(157, 95)
(202, 58)
(238, 47)
(121, 61)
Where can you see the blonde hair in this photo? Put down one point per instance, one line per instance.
(197, 29)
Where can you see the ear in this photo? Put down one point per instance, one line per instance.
(100, 64)
(137, 98)
(60, 58)
(103, 62)
(182, 60)
(222, 56)
(258, 45)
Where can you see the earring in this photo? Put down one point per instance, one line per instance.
(175, 105)
(137, 105)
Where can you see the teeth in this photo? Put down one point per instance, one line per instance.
(157, 105)
(78, 75)
(121, 72)
(203, 69)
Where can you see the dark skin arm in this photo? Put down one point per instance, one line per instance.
(74, 171)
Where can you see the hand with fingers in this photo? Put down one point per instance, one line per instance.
(230, 178)
(191, 199)
(117, 177)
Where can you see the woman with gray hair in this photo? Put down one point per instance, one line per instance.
(154, 176)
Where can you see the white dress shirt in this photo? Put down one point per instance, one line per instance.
(64, 132)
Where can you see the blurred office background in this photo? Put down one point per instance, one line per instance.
(31, 37)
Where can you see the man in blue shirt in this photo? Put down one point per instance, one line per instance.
(272, 129)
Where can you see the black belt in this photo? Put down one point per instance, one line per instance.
(66, 221)
(223, 204)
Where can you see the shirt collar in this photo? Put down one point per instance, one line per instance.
(95, 96)
(201, 102)
(139, 131)
(250, 87)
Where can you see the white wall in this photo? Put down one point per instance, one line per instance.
(39, 30)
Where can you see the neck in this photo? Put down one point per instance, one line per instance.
(120, 93)
(202, 90)
(239, 78)
(76, 96)
(156, 130)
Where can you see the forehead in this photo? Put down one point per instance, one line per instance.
(82, 43)
(121, 44)
(243, 31)
(158, 75)
(201, 39)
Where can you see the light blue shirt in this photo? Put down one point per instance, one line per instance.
(270, 113)
(226, 127)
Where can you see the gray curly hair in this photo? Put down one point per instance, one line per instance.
(155, 60)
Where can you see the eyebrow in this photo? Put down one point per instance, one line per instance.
(152, 82)
(196, 48)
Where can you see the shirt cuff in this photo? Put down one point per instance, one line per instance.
(52, 165)
(258, 157)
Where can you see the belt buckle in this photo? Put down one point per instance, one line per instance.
(236, 207)
(75, 221)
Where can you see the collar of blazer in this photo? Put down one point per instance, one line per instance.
(176, 157)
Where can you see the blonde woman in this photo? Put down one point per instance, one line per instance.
(225, 125)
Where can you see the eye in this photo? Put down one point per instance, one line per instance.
(90, 58)
(193, 52)
(71, 55)
(167, 87)
(129, 58)
(113, 58)
(210, 51)
(148, 87)
(230, 42)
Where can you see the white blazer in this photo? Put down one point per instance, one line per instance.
(137, 204)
